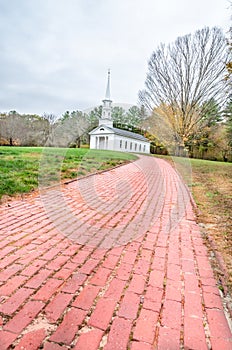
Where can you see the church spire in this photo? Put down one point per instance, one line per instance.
(106, 117)
(107, 97)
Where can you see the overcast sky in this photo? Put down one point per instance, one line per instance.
(54, 54)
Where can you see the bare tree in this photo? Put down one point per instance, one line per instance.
(229, 42)
(182, 77)
(69, 130)
(12, 127)
(50, 117)
(23, 129)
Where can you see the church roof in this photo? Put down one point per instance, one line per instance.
(129, 134)
(124, 133)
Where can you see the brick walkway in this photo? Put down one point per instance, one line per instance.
(114, 261)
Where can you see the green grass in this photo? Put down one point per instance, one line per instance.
(187, 167)
(23, 169)
(209, 166)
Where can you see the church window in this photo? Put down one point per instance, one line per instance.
(140, 147)
(131, 146)
(135, 146)
(102, 129)
(125, 144)
(120, 143)
(144, 148)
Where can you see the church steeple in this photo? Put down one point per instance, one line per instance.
(108, 87)
(106, 118)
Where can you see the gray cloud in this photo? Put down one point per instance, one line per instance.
(55, 53)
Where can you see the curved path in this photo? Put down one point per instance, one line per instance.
(114, 261)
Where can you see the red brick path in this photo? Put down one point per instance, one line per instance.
(114, 261)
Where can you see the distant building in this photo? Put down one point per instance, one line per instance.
(106, 137)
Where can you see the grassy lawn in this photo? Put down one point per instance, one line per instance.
(212, 190)
(21, 168)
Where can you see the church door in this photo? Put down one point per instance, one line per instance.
(102, 142)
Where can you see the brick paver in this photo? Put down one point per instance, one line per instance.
(111, 261)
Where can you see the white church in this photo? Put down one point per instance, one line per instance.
(106, 137)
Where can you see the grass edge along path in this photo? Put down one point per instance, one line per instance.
(21, 167)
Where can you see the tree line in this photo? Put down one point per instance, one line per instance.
(70, 130)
